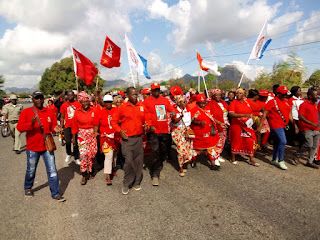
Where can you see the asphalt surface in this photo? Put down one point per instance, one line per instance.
(238, 202)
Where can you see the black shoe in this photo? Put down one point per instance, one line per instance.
(193, 164)
(17, 151)
(312, 165)
(28, 193)
(214, 167)
(317, 162)
(59, 198)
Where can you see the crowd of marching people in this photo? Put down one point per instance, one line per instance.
(119, 130)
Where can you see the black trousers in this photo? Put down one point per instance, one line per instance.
(132, 150)
(161, 146)
(68, 138)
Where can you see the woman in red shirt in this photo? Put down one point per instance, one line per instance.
(205, 130)
(242, 136)
(219, 110)
(278, 113)
(107, 143)
(85, 125)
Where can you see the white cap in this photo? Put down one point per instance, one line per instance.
(107, 98)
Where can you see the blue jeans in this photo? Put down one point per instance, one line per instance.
(32, 163)
(280, 142)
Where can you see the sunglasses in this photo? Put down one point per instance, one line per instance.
(38, 97)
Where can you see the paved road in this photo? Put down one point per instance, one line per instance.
(239, 202)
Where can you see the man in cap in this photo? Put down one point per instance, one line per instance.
(158, 117)
(38, 121)
(67, 110)
(11, 112)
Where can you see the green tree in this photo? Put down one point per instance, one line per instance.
(60, 76)
(288, 73)
(2, 92)
(314, 79)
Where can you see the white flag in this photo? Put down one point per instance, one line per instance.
(135, 62)
(261, 44)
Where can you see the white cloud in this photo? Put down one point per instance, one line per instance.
(283, 23)
(146, 39)
(251, 71)
(44, 30)
(308, 31)
(198, 21)
(160, 71)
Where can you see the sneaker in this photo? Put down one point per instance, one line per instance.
(217, 162)
(275, 162)
(155, 181)
(234, 162)
(282, 165)
(68, 159)
(312, 165)
(137, 188)
(28, 193)
(125, 190)
(77, 161)
(59, 198)
(221, 159)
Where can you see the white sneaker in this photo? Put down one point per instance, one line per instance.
(275, 162)
(221, 159)
(217, 162)
(77, 161)
(68, 159)
(282, 165)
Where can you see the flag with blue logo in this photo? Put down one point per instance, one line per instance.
(261, 44)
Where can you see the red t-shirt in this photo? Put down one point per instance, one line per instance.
(53, 109)
(130, 118)
(35, 138)
(274, 118)
(309, 111)
(68, 109)
(256, 106)
(158, 113)
(84, 119)
(105, 117)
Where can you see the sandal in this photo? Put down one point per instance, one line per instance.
(255, 164)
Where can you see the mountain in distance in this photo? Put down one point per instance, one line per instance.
(229, 72)
(118, 83)
(19, 90)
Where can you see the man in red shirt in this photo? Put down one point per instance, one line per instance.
(309, 124)
(129, 120)
(159, 112)
(38, 121)
(67, 110)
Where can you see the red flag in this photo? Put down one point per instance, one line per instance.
(211, 67)
(83, 67)
(111, 54)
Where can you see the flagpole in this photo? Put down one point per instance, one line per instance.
(75, 68)
(205, 85)
(243, 73)
(97, 82)
(77, 84)
(199, 81)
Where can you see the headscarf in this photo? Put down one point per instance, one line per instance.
(216, 91)
(83, 96)
(240, 90)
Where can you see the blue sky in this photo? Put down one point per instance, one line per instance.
(33, 34)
